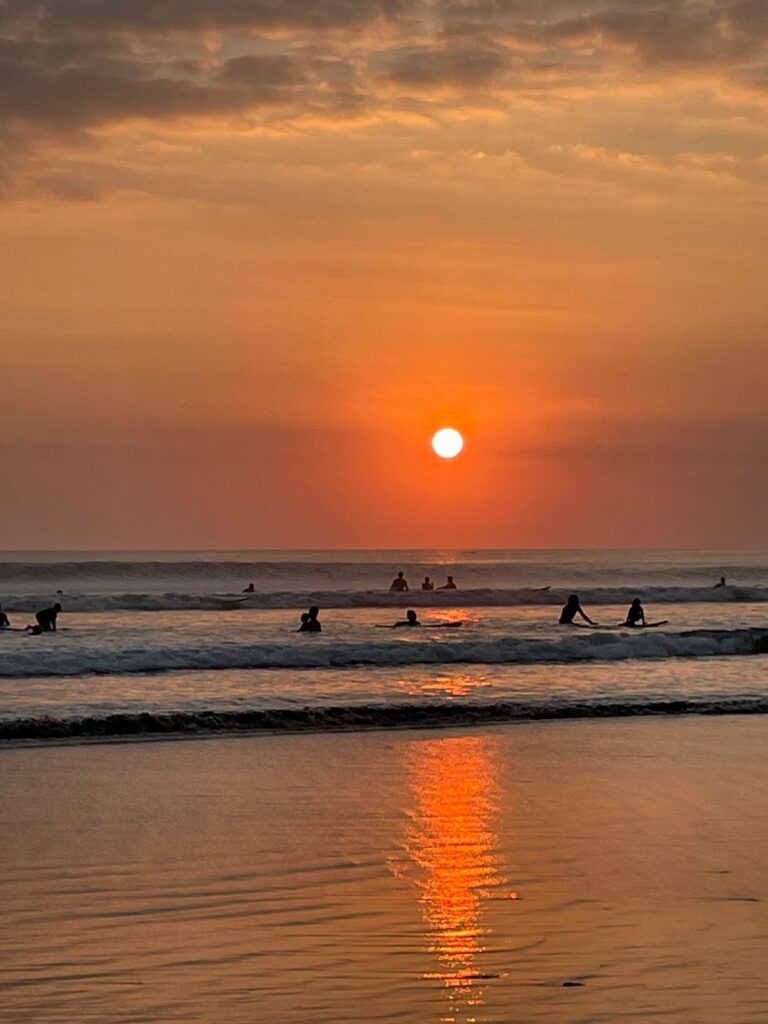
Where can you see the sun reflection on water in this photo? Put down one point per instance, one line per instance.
(450, 840)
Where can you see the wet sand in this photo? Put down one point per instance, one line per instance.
(563, 872)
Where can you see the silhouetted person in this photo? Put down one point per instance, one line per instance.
(46, 619)
(310, 622)
(635, 615)
(722, 583)
(427, 584)
(250, 589)
(399, 583)
(448, 585)
(4, 620)
(571, 609)
(409, 620)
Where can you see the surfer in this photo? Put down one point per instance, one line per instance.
(635, 615)
(310, 622)
(4, 620)
(250, 589)
(399, 584)
(571, 609)
(46, 618)
(409, 620)
(448, 585)
(722, 583)
(427, 584)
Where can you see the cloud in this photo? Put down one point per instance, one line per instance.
(429, 67)
(145, 17)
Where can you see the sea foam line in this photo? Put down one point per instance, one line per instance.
(362, 717)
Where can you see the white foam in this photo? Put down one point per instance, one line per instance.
(44, 656)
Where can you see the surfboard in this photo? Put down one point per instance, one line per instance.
(231, 601)
(647, 625)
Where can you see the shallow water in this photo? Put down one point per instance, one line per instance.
(422, 877)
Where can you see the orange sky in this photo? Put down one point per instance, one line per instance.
(256, 253)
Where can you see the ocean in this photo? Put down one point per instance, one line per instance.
(157, 643)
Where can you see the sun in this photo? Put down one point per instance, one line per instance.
(447, 443)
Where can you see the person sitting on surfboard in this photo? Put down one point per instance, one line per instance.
(635, 615)
(409, 620)
(571, 609)
(449, 585)
(46, 618)
(310, 622)
(399, 584)
(427, 584)
(4, 620)
(720, 584)
(249, 589)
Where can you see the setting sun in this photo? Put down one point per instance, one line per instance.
(447, 443)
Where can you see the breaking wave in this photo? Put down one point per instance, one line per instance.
(44, 657)
(291, 599)
(358, 717)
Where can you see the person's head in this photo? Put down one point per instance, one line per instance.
(573, 599)
(314, 611)
(722, 579)
(399, 575)
(305, 616)
(450, 579)
(410, 615)
(636, 603)
(426, 579)
(57, 607)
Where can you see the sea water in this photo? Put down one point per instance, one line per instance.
(167, 641)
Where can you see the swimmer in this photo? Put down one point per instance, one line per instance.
(399, 584)
(310, 622)
(571, 609)
(4, 620)
(449, 585)
(427, 584)
(722, 583)
(250, 589)
(409, 620)
(635, 615)
(46, 619)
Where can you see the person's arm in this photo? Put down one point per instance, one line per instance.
(586, 618)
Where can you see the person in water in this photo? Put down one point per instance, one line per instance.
(722, 583)
(399, 584)
(310, 622)
(409, 620)
(427, 584)
(4, 620)
(46, 618)
(250, 589)
(448, 585)
(636, 614)
(571, 609)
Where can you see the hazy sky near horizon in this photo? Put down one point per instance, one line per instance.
(256, 252)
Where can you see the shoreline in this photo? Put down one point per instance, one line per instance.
(609, 873)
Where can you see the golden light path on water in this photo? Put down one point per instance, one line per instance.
(451, 841)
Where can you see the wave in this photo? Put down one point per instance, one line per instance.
(359, 717)
(294, 599)
(43, 658)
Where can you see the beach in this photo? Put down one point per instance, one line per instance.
(562, 871)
